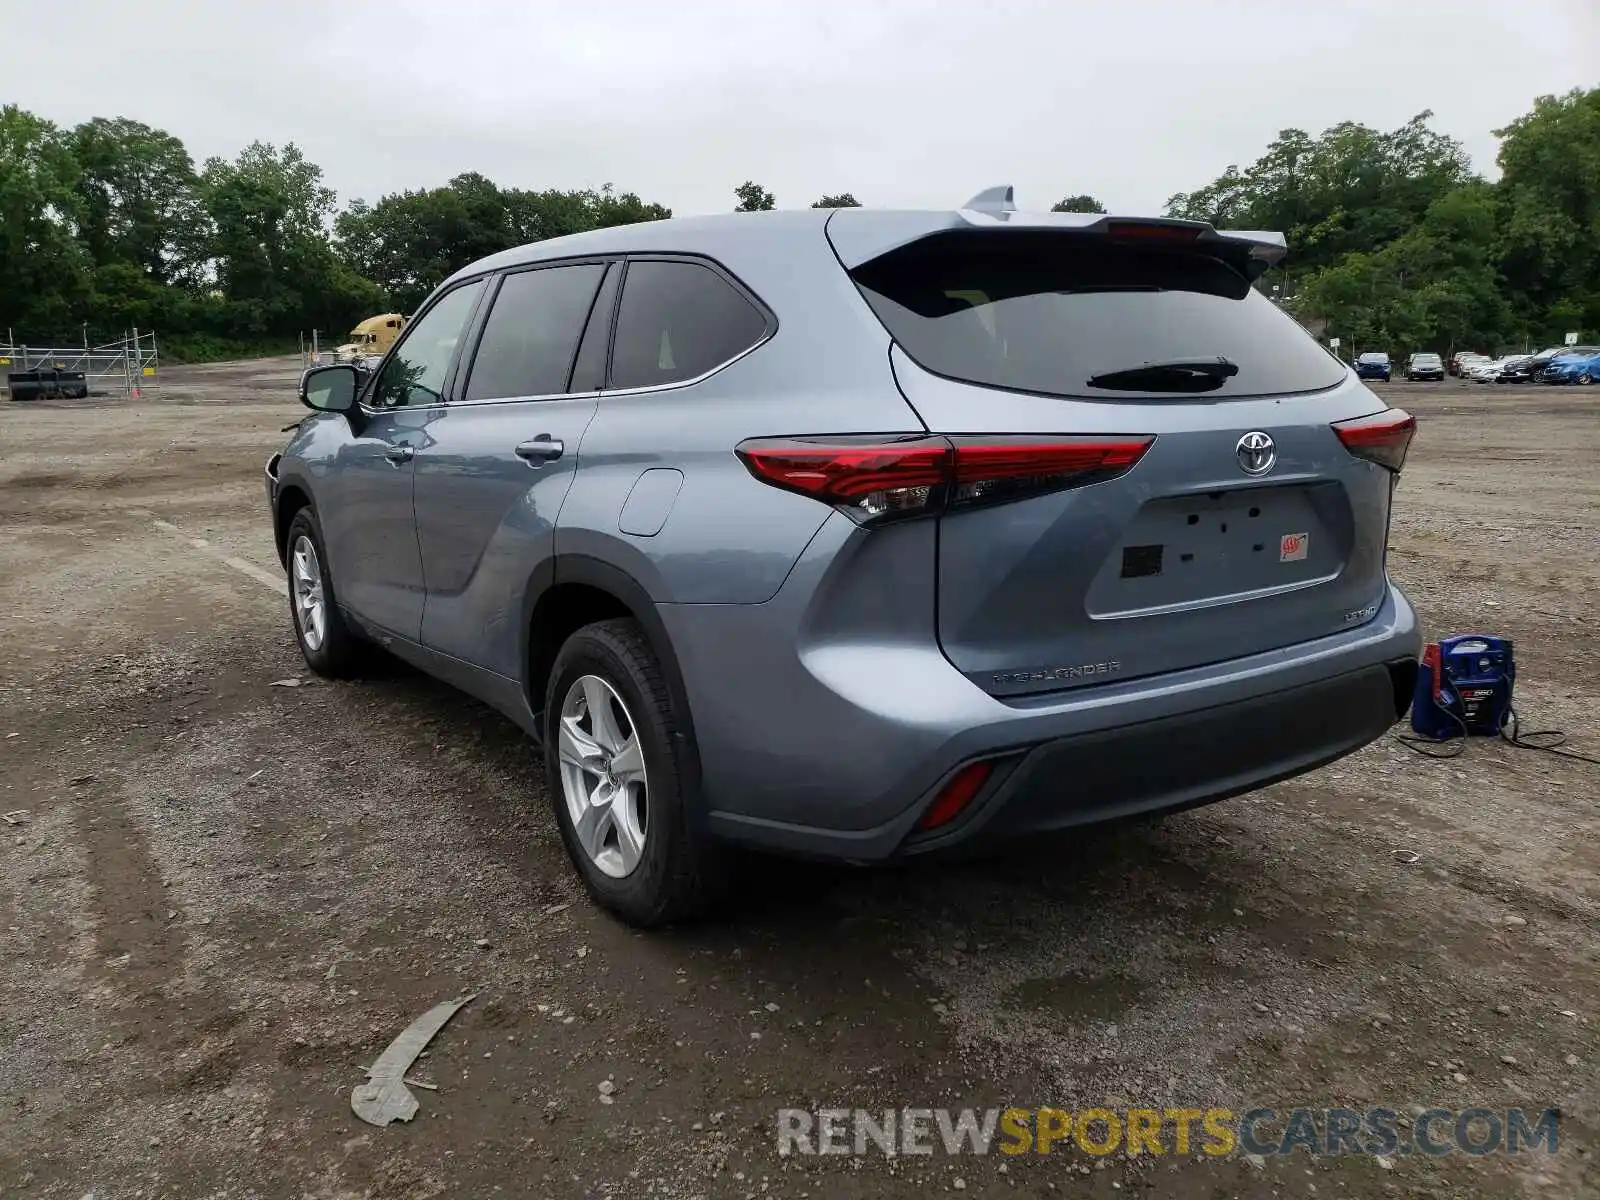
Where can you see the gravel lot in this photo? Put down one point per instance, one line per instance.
(227, 896)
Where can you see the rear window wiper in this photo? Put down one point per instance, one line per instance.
(1172, 375)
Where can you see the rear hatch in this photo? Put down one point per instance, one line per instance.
(1241, 521)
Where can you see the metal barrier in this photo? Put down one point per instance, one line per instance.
(124, 368)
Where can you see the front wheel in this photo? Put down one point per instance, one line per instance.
(614, 747)
(1586, 378)
(329, 646)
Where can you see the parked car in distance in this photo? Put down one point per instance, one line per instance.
(1527, 368)
(647, 490)
(1456, 360)
(1489, 371)
(1374, 364)
(1424, 366)
(1576, 365)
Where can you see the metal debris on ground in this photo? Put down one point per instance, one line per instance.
(17, 816)
(1406, 856)
(384, 1098)
(286, 683)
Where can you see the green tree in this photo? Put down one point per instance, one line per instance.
(274, 262)
(1078, 204)
(1351, 189)
(1434, 288)
(754, 198)
(1550, 195)
(842, 200)
(140, 203)
(610, 207)
(44, 272)
(410, 242)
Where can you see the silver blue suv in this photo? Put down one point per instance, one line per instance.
(862, 534)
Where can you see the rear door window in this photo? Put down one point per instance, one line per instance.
(1077, 315)
(531, 336)
(677, 321)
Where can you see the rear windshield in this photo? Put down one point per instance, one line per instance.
(1052, 313)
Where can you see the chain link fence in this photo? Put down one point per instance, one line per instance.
(123, 369)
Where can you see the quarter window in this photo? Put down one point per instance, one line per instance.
(532, 332)
(678, 320)
(415, 373)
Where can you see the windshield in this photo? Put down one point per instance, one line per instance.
(1373, 358)
(1424, 359)
(1077, 315)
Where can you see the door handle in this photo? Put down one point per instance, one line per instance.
(399, 454)
(541, 449)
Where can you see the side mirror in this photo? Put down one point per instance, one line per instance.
(330, 389)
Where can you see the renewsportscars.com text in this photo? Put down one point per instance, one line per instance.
(1181, 1131)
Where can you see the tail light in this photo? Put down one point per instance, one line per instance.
(1382, 438)
(878, 479)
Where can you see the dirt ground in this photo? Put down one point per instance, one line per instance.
(226, 896)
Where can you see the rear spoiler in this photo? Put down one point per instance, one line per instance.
(860, 235)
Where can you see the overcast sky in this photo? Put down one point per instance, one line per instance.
(903, 102)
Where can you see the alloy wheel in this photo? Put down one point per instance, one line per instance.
(603, 778)
(310, 606)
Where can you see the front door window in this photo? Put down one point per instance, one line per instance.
(415, 373)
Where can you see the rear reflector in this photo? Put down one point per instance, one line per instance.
(1382, 438)
(882, 478)
(953, 799)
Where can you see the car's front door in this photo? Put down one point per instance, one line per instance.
(368, 522)
(492, 476)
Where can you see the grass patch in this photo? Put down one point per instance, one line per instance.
(204, 348)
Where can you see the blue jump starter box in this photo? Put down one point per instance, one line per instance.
(1464, 687)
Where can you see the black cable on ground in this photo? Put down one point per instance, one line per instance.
(1511, 733)
(1441, 747)
(1517, 738)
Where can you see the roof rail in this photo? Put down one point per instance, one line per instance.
(998, 200)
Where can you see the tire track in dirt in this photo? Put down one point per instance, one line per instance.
(138, 948)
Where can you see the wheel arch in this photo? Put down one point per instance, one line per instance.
(575, 590)
(291, 498)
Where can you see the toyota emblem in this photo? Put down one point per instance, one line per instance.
(1256, 453)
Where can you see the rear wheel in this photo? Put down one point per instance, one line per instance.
(613, 746)
(1586, 378)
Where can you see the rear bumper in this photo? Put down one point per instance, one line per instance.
(1182, 761)
(835, 751)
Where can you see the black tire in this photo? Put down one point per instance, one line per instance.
(678, 873)
(341, 651)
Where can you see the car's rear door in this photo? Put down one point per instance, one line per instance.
(496, 467)
(1192, 503)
